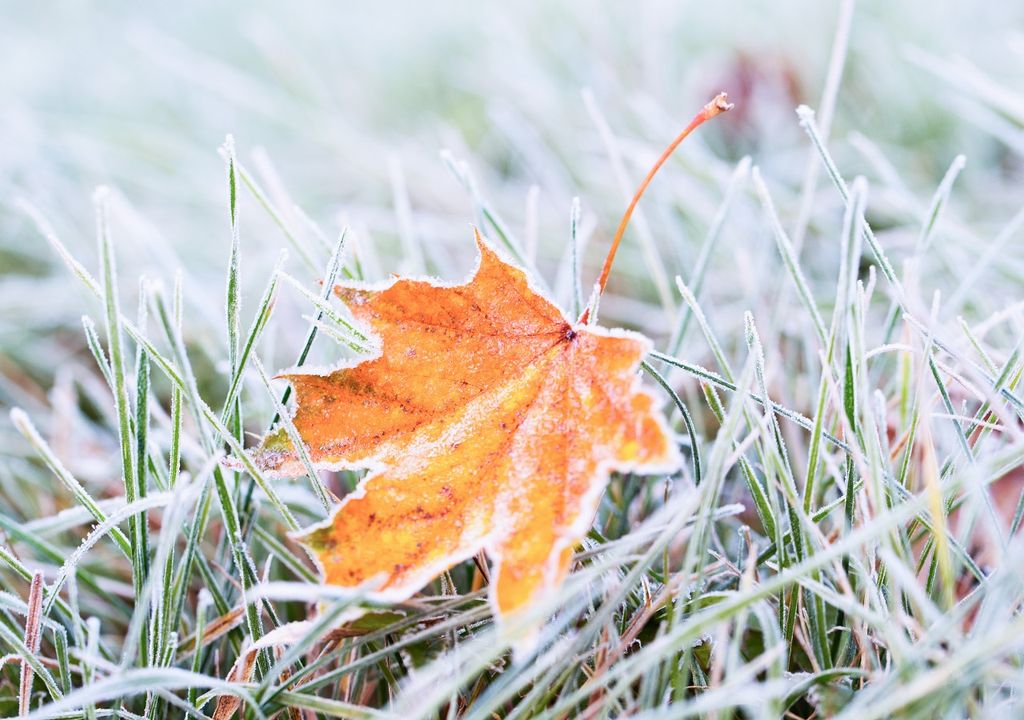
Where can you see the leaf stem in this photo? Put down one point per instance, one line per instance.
(717, 106)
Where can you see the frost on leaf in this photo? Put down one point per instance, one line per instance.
(487, 420)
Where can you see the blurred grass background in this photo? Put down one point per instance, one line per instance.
(325, 101)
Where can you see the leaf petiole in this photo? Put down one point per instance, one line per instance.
(717, 106)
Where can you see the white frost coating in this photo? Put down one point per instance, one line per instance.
(287, 634)
(147, 503)
(304, 592)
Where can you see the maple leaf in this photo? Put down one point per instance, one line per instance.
(487, 420)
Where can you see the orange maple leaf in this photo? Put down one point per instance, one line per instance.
(488, 421)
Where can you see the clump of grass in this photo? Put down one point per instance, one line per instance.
(844, 542)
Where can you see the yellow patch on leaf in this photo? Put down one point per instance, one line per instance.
(489, 422)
